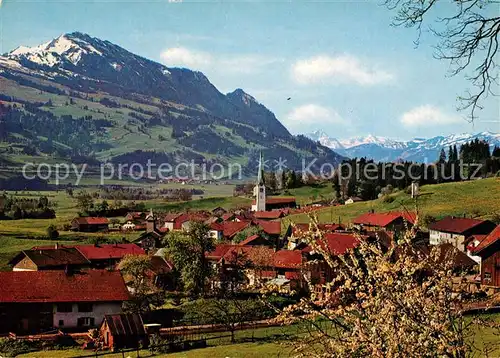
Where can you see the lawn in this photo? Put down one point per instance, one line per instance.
(270, 342)
(247, 350)
(479, 198)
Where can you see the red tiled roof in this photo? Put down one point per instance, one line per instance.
(254, 254)
(160, 266)
(293, 275)
(57, 286)
(91, 220)
(250, 239)
(171, 217)
(458, 258)
(288, 259)
(488, 240)
(339, 243)
(52, 257)
(219, 251)
(109, 251)
(227, 216)
(455, 225)
(269, 227)
(232, 228)
(274, 214)
(216, 227)
(136, 214)
(382, 219)
(279, 200)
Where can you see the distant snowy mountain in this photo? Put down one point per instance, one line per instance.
(385, 149)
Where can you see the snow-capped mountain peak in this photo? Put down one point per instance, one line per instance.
(386, 149)
(67, 47)
(325, 140)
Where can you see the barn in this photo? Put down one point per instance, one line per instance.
(124, 330)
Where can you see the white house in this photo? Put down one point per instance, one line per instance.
(37, 301)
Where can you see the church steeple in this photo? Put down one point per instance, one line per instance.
(259, 191)
(260, 174)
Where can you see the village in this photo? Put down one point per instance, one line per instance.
(90, 291)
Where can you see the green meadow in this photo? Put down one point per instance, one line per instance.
(479, 198)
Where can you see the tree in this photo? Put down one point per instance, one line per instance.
(271, 181)
(467, 38)
(135, 269)
(187, 251)
(114, 222)
(390, 300)
(455, 153)
(103, 206)
(229, 311)
(232, 273)
(442, 156)
(84, 201)
(52, 232)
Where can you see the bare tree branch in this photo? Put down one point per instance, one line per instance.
(468, 39)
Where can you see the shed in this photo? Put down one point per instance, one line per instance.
(123, 331)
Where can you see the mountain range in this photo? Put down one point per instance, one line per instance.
(82, 99)
(385, 149)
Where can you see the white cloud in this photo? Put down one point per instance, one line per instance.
(341, 69)
(426, 116)
(308, 116)
(183, 57)
(199, 60)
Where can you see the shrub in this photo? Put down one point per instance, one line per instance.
(12, 347)
(427, 220)
(387, 199)
(52, 232)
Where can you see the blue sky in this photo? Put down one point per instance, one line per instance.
(347, 71)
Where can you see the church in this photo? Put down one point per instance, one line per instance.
(264, 203)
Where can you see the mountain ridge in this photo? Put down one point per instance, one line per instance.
(387, 149)
(102, 101)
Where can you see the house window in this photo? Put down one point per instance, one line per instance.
(64, 307)
(85, 307)
(85, 321)
(487, 277)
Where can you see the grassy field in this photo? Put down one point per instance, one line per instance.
(17, 235)
(269, 342)
(479, 198)
(247, 350)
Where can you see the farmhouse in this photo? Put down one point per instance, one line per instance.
(489, 251)
(152, 237)
(216, 230)
(99, 256)
(182, 221)
(390, 221)
(455, 231)
(57, 258)
(135, 216)
(89, 224)
(107, 256)
(37, 301)
(299, 229)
